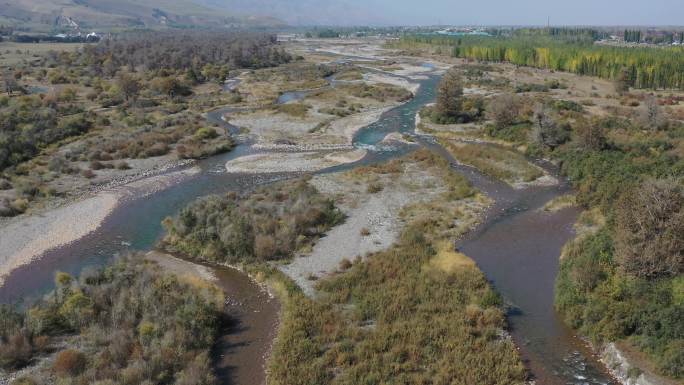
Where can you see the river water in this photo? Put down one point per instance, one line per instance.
(517, 247)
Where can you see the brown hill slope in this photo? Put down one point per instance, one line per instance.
(48, 15)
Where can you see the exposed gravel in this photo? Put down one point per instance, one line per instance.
(291, 161)
(28, 237)
(180, 267)
(378, 213)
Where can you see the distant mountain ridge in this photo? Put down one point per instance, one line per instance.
(306, 12)
(47, 15)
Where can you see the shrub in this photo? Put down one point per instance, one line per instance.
(96, 165)
(205, 133)
(25, 381)
(5, 208)
(345, 264)
(122, 165)
(375, 187)
(5, 184)
(649, 229)
(59, 164)
(450, 95)
(16, 352)
(157, 149)
(531, 87)
(591, 134)
(28, 187)
(19, 205)
(199, 371)
(298, 110)
(69, 362)
(108, 310)
(547, 131)
(503, 110)
(567, 105)
(270, 223)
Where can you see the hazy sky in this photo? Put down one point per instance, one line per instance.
(535, 12)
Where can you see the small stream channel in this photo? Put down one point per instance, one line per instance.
(517, 247)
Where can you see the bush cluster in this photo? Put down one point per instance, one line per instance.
(127, 323)
(267, 224)
(396, 318)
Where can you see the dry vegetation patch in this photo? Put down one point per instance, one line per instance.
(370, 322)
(500, 163)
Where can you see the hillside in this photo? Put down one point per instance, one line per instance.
(306, 12)
(50, 15)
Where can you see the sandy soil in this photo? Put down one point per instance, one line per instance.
(350, 125)
(180, 267)
(366, 49)
(374, 78)
(28, 237)
(268, 128)
(292, 161)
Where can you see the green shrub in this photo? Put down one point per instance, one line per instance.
(270, 223)
(109, 312)
(205, 133)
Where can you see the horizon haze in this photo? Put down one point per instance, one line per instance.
(443, 12)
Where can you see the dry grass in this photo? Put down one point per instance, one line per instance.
(500, 163)
(449, 261)
(350, 75)
(14, 53)
(297, 110)
(203, 286)
(559, 203)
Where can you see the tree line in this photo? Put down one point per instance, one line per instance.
(184, 51)
(647, 67)
(632, 36)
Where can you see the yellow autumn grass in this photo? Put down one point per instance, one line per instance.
(211, 291)
(560, 202)
(448, 260)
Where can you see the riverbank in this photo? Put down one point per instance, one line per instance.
(240, 353)
(631, 367)
(26, 238)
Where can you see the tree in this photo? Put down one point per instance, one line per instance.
(591, 135)
(503, 110)
(622, 81)
(129, 85)
(169, 86)
(651, 115)
(63, 282)
(546, 131)
(10, 83)
(649, 228)
(450, 95)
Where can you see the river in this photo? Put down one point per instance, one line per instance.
(517, 247)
